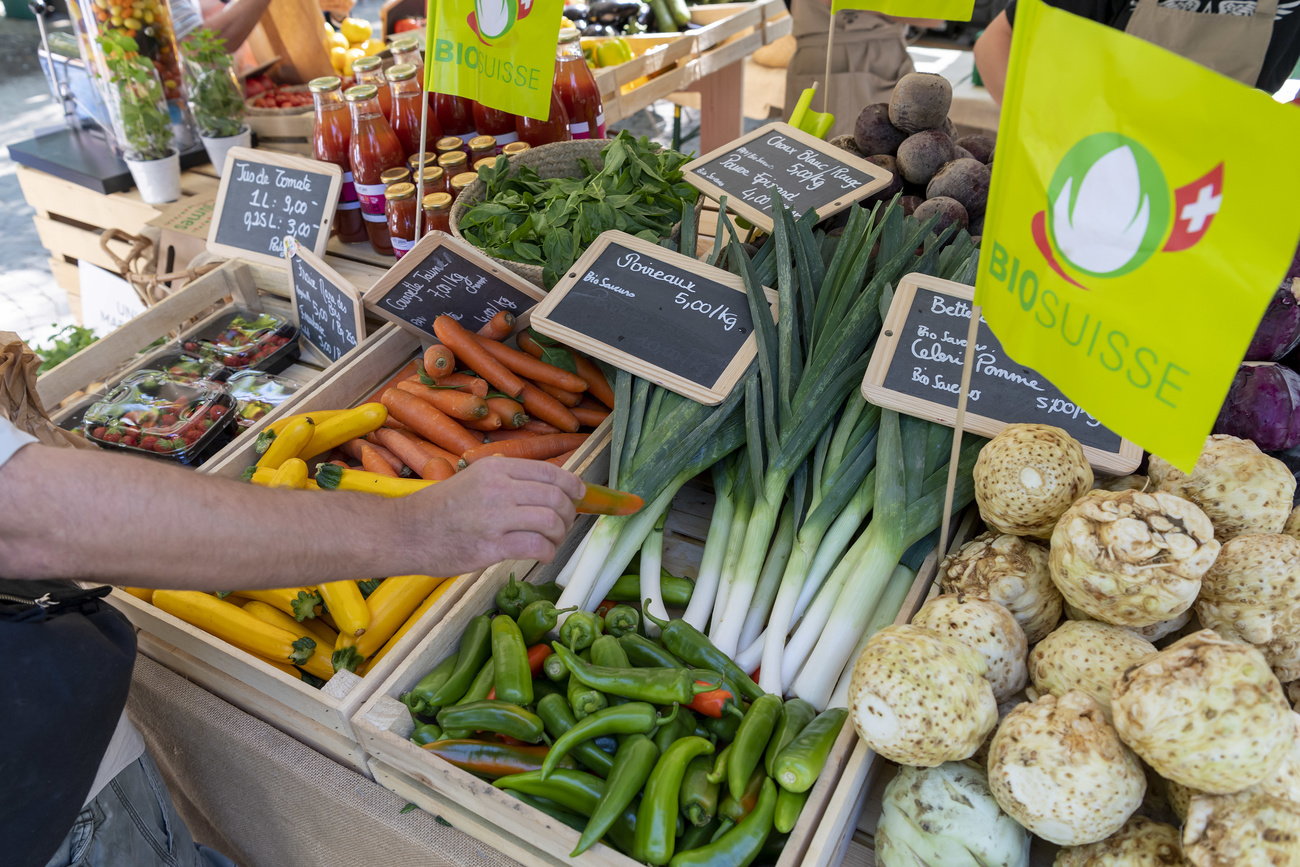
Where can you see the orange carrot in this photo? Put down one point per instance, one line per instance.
(460, 382)
(597, 384)
(428, 421)
(541, 405)
(568, 398)
(436, 470)
(600, 500)
(373, 462)
(511, 412)
(540, 427)
(489, 423)
(467, 348)
(402, 374)
(413, 449)
(534, 368)
(527, 344)
(589, 417)
(439, 361)
(456, 404)
(499, 326)
(352, 448)
(502, 435)
(561, 460)
(393, 424)
(344, 464)
(537, 448)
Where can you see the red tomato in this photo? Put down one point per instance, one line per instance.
(405, 24)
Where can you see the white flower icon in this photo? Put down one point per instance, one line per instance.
(1111, 214)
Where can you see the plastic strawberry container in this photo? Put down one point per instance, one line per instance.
(256, 393)
(183, 366)
(243, 339)
(150, 414)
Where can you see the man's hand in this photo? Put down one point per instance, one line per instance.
(498, 509)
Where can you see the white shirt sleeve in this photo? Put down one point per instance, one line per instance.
(11, 439)
(186, 17)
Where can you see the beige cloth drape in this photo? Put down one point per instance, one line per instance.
(19, 400)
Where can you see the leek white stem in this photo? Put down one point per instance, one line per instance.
(652, 556)
(599, 544)
(715, 554)
(770, 578)
(562, 580)
(900, 583)
(750, 658)
(629, 542)
(735, 541)
(833, 545)
(758, 538)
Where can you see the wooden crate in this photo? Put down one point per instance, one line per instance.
(501, 821)
(288, 132)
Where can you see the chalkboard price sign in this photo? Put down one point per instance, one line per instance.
(328, 307)
(808, 174)
(917, 366)
(661, 315)
(265, 197)
(444, 276)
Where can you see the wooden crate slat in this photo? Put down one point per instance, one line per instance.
(58, 196)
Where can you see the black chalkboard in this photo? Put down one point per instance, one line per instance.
(808, 173)
(266, 197)
(918, 366)
(328, 308)
(656, 313)
(443, 276)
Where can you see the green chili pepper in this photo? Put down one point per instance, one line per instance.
(632, 766)
(788, 807)
(751, 740)
(512, 677)
(417, 700)
(539, 618)
(550, 590)
(685, 641)
(719, 772)
(558, 718)
(645, 653)
(486, 758)
(633, 718)
(737, 808)
(552, 809)
(656, 818)
(655, 685)
(500, 717)
(800, 763)
(622, 620)
(555, 669)
(606, 651)
(741, 845)
(583, 699)
(580, 630)
(572, 790)
(543, 687)
(681, 727)
(723, 729)
(774, 848)
(426, 733)
(515, 596)
(697, 836)
(475, 649)
(676, 591)
(478, 691)
(723, 827)
(795, 715)
(699, 797)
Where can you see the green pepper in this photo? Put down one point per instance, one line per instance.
(722, 828)
(608, 652)
(478, 691)
(685, 641)
(417, 700)
(655, 685)
(558, 718)
(645, 653)
(719, 772)
(774, 848)
(426, 733)
(683, 726)
(656, 818)
(580, 630)
(699, 797)
(573, 790)
(632, 766)
(633, 718)
(550, 591)
(512, 678)
(552, 809)
(622, 620)
(583, 699)
(539, 618)
(500, 717)
(788, 807)
(795, 715)
(515, 596)
(475, 649)
(723, 729)
(742, 844)
(737, 808)
(697, 836)
(751, 740)
(800, 763)
(676, 591)
(555, 669)
(486, 758)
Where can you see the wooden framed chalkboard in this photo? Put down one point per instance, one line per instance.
(916, 369)
(328, 308)
(809, 174)
(442, 275)
(661, 315)
(266, 196)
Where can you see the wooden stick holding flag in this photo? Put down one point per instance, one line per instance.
(972, 335)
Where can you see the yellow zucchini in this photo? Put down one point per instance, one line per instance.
(268, 433)
(231, 623)
(291, 474)
(288, 443)
(282, 666)
(319, 663)
(347, 606)
(263, 477)
(428, 602)
(144, 593)
(348, 425)
(334, 477)
(300, 603)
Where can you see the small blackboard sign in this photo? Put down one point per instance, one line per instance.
(265, 197)
(328, 307)
(661, 315)
(808, 173)
(444, 276)
(917, 366)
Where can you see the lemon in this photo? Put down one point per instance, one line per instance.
(338, 39)
(371, 47)
(339, 58)
(351, 56)
(357, 30)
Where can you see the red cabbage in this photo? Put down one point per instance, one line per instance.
(1263, 405)
(1279, 330)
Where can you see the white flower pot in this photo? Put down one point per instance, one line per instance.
(217, 147)
(159, 181)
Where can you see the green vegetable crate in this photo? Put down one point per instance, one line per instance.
(501, 821)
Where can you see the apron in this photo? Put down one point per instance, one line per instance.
(870, 57)
(1233, 45)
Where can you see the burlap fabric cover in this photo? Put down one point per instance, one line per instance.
(19, 400)
(266, 800)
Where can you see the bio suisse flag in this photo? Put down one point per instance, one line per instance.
(500, 53)
(1142, 214)
(948, 10)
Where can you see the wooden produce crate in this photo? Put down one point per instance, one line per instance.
(490, 814)
(657, 68)
(734, 31)
(283, 130)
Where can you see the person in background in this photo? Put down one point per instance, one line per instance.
(870, 56)
(232, 20)
(1257, 42)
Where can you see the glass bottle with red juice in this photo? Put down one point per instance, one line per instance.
(455, 115)
(577, 88)
(329, 143)
(496, 123)
(370, 70)
(374, 149)
(554, 128)
(408, 101)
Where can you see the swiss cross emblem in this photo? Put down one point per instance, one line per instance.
(1194, 208)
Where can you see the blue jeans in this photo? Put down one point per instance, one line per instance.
(132, 823)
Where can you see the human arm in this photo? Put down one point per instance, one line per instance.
(235, 20)
(992, 53)
(86, 515)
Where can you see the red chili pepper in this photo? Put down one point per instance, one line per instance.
(603, 608)
(712, 703)
(536, 656)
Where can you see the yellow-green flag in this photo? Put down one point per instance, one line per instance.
(948, 10)
(498, 52)
(1141, 216)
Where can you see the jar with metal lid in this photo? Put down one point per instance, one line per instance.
(482, 147)
(453, 162)
(515, 148)
(435, 180)
(486, 161)
(448, 144)
(437, 212)
(395, 175)
(461, 181)
(413, 161)
(400, 203)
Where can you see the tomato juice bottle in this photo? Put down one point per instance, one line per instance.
(373, 150)
(408, 102)
(455, 115)
(408, 51)
(370, 70)
(496, 123)
(577, 88)
(400, 206)
(329, 144)
(555, 128)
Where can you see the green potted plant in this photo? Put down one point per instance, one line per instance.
(215, 97)
(141, 120)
